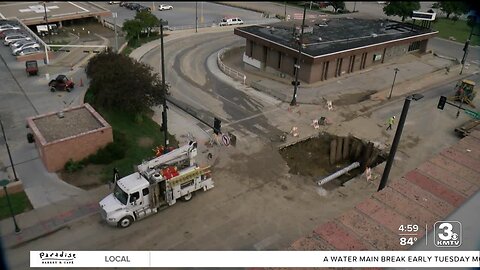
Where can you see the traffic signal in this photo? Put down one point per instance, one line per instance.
(295, 82)
(217, 125)
(441, 102)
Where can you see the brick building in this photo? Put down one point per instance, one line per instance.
(331, 48)
(74, 133)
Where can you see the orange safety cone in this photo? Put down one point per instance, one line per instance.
(81, 82)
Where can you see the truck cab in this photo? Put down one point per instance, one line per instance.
(128, 202)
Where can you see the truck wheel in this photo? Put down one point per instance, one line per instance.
(68, 89)
(52, 89)
(187, 197)
(125, 222)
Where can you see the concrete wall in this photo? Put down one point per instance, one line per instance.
(57, 153)
(395, 51)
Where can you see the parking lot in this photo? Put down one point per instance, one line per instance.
(182, 14)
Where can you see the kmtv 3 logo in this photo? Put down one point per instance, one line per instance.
(447, 234)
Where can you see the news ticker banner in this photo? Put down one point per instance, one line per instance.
(145, 259)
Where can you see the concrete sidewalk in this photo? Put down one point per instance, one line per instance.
(51, 218)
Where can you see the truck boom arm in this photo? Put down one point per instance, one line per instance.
(188, 151)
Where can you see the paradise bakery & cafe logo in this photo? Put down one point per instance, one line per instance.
(57, 257)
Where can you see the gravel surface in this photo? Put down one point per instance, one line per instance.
(73, 123)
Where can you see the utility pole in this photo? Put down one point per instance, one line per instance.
(164, 113)
(115, 27)
(394, 77)
(354, 5)
(46, 22)
(8, 151)
(285, 11)
(297, 65)
(396, 139)
(196, 17)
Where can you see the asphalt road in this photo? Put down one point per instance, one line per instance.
(183, 13)
(195, 88)
(426, 127)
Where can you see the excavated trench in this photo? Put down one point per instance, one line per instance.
(321, 156)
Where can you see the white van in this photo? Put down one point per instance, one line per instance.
(230, 21)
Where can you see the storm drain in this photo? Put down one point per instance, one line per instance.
(321, 156)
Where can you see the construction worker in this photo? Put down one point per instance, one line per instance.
(391, 121)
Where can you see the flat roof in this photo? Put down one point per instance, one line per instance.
(328, 36)
(31, 13)
(74, 122)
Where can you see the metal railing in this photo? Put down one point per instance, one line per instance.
(227, 70)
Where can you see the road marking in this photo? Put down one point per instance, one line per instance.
(86, 10)
(264, 130)
(252, 116)
(261, 245)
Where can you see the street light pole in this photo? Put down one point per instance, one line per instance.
(396, 139)
(285, 11)
(115, 27)
(46, 22)
(394, 77)
(196, 17)
(4, 183)
(297, 66)
(164, 113)
(8, 151)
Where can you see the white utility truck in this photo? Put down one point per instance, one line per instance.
(157, 184)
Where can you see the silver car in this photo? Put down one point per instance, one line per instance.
(8, 27)
(24, 46)
(27, 51)
(15, 37)
(18, 43)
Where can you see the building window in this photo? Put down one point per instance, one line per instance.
(377, 57)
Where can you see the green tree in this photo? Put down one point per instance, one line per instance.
(133, 28)
(455, 7)
(401, 8)
(148, 20)
(337, 5)
(120, 82)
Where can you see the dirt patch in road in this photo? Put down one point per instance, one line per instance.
(87, 178)
(354, 98)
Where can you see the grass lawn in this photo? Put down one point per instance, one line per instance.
(459, 30)
(139, 134)
(20, 204)
(142, 134)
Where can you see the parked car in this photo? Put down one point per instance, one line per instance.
(24, 46)
(122, 4)
(15, 37)
(8, 27)
(61, 83)
(9, 32)
(164, 7)
(114, 2)
(230, 21)
(144, 8)
(28, 50)
(19, 43)
(133, 6)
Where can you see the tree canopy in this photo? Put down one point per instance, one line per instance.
(133, 28)
(455, 7)
(148, 20)
(401, 8)
(120, 82)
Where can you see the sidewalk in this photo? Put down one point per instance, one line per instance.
(51, 218)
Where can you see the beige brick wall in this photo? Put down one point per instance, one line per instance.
(56, 154)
